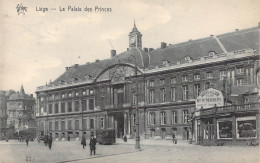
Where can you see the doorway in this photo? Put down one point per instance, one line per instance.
(119, 124)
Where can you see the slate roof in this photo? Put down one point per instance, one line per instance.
(233, 41)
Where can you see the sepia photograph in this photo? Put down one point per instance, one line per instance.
(133, 81)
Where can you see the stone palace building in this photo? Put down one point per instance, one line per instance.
(163, 82)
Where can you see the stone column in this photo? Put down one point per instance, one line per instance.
(258, 126)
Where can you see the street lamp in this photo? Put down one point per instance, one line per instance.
(137, 137)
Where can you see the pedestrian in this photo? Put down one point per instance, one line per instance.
(174, 140)
(92, 144)
(27, 141)
(83, 141)
(125, 138)
(68, 137)
(50, 141)
(46, 140)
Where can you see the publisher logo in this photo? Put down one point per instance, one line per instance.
(21, 9)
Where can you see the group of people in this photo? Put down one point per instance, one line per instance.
(48, 140)
(92, 144)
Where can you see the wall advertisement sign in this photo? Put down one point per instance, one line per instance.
(208, 99)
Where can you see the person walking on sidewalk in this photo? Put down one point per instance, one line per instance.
(83, 141)
(92, 144)
(50, 141)
(27, 141)
(174, 140)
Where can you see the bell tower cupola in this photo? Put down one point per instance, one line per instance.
(135, 38)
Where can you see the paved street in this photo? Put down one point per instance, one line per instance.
(163, 151)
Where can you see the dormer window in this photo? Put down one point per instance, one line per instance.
(212, 53)
(196, 76)
(209, 74)
(162, 81)
(77, 93)
(63, 95)
(165, 63)
(70, 94)
(151, 83)
(187, 58)
(184, 78)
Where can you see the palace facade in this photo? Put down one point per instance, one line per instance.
(162, 83)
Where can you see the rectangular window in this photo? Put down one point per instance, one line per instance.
(69, 125)
(240, 70)
(92, 125)
(91, 104)
(152, 118)
(163, 98)
(77, 124)
(196, 77)
(63, 107)
(222, 73)
(163, 118)
(50, 108)
(174, 117)
(50, 126)
(56, 125)
(56, 107)
(240, 82)
(162, 81)
(197, 90)
(246, 127)
(184, 78)
(69, 107)
(63, 95)
(151, 83)
(84, 104)
(84, 125)
(151, 96)
(63, 125)
(134, 98)
(224, 129)
(185, 92)
(102, 122)
(207, 85)
(134, 119)
(209, 74)
(77, 106)
(185, 116)
(173, 80)
(173, 94)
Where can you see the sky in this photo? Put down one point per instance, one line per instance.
(35, 47)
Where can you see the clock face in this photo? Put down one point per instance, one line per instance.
(132, 40)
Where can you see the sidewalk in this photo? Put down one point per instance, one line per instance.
(162, 142)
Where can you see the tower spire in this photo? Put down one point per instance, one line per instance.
(22, 91)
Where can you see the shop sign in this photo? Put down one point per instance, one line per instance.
(209, 98)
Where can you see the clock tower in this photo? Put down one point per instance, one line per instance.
(135, 38)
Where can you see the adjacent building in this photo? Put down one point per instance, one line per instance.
(4, 95)
(21, 113)
(162, 83)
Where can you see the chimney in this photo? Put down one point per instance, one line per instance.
(113, 53)
(211, 35)
(31, 95)
(258, 24)
(146, 49)
(76, 65)
(163, 45)
(67, 68)
(97, 60)
(237, 30)
(127, 49)
(151, 49)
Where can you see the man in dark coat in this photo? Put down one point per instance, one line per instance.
(27, 141)
(92, 144)
(83, 141)
(174, 140)
(50, 141)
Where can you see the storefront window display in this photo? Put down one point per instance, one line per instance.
(224, 129)
(246, 127)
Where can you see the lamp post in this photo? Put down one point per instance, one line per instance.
(137, 136)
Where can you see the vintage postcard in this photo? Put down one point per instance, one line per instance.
(173, 81)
